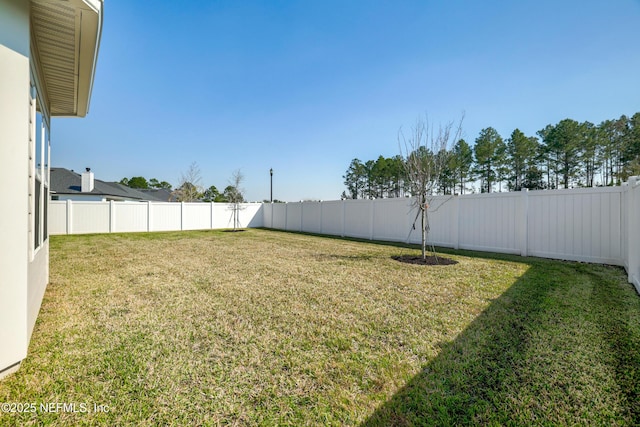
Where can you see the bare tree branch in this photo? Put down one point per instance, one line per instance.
(190, 188)
(422, 153)
(235, 195)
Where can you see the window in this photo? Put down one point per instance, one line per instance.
(39, 149)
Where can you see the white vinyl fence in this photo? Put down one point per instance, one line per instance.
(599, 225)
(70, 217)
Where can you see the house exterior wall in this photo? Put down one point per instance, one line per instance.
(14, 168)
(38, 278)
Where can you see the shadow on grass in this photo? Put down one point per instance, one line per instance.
(429, 260)
(561, 346)
(547, 351)
(408, 246)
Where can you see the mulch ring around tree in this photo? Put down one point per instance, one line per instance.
(430, 260)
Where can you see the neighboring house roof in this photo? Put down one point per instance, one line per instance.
(64, 181)
(66, 38)
(160, 194)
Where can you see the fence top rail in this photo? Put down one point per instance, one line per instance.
(569, 191)
(153, 202)
(506, 194)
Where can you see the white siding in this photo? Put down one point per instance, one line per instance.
(14, 155)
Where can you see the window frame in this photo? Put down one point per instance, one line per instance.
(39, 167)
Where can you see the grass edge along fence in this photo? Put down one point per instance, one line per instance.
(596, 225)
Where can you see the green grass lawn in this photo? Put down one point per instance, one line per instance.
(273, 328)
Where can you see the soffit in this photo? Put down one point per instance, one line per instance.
(66, 36)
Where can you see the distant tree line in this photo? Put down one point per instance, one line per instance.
(565, 155)
(189, 189)
(141, 182)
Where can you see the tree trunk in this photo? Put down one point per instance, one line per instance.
(424, 231)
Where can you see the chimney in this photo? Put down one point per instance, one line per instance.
(87, 181)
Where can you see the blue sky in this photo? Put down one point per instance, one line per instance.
(304, 87)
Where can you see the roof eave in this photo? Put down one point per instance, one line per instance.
(67, 65)
(90, 32)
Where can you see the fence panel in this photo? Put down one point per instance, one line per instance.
(443, 222)
(90, 217)
(279, 217)
(130, 217)
(251, 215)
(312, 217)
(392, 219)
(267, 215)
(332, 216)
(196, 216)
(357, 219)
(166, 216)
(223, 215)
(293, 217)
(579, 225)
(57, 221)
(490, 222)
(632, 262)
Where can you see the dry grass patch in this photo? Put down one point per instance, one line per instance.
(271, 328)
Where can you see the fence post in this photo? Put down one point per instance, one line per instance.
(69, 216)
(344, 214)
(286, 215)
(524, 227)
(633, 231)
(112, 217)
(211, 215)
(181, 215)
(320, 207)
(372, 217)
(301, 215)
(149, 217)
(271, 215)
(456, 222)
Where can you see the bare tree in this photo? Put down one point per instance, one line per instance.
(422, 152)
(190, 188)
(235, 195)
